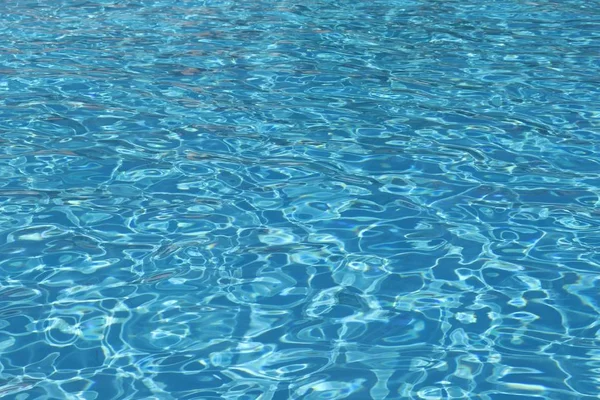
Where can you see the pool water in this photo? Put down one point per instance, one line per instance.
(322, 199)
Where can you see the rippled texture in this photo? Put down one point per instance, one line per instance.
(275, 200)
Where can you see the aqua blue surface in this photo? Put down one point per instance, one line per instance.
(274, 200)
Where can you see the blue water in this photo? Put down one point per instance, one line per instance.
(322, 199)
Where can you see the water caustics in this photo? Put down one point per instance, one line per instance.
(326, 199)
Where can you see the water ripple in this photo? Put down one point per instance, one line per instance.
(327, 200)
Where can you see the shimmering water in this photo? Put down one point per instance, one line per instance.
(274, 200)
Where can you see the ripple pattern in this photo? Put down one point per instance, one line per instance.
(328, 199)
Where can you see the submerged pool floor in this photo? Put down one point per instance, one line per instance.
(322, 199)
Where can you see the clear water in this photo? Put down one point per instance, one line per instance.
(325, 199)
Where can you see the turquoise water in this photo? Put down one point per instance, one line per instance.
(277, 200)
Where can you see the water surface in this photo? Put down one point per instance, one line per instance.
(275, 200)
